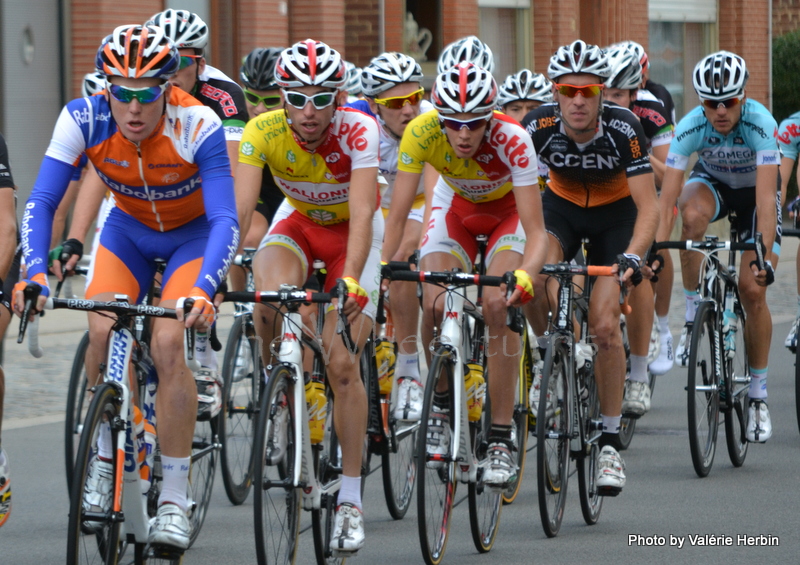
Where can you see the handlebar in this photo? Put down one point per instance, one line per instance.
(568, 269)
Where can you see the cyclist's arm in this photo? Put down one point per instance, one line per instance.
(362, 202)
(248, 185)
(767, 216)
(670, 191)
(787, 164)
(233, 156)
(658, 159)
(643, 192)
(529, 207)
(430, 177)
(8, 215)
(403, 194)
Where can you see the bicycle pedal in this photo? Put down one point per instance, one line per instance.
(631, 415)
(608, 491)
(165, 552)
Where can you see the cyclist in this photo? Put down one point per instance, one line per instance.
(391, 86)
(470, 49)
(325, 159)
(600, 188)
(175, 201)
(622, 88)
(789, 143)
(9, 265)
(352, 87)
(522, 92)
(658, 90)
(736, 142)
(487, 187)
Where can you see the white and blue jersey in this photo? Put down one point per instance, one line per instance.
(789, 136)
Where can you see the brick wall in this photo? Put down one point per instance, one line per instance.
(393, 17)
(322, 20)
(459, 18)
(261, 24)
(785, 16)
(743, 29)
(361, 31)
(555, 22)
(92, 20)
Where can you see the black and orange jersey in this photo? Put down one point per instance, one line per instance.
(593, 173)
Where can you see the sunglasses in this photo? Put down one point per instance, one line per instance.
(145, 95)
(714, 104)
(471, 125)
(587, 91)
(187, 61)
(299, 100)
(397, 102)
(269, 101)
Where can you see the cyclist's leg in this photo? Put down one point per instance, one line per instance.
(699, 205)
(640, 325)
(5, 475)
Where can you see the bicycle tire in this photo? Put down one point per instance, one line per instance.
(627, 426)
(77, 406)
(703, 404)
(102, 546)
(240, 398)
(737, 385)
(202, 471)
(591, 501)
(276, 508)
(553, 433)
(485, 504)
(521, 411)
(437, 488)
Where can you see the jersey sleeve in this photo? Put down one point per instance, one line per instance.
(687, 134)
(517, 150)
(251, 139)
(6, 180)
(762, 131)
(634, 156)
(789, 138)
(71, 132)
(361, 138)
(417, 138)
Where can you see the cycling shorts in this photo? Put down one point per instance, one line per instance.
(417, 212)
(269, 203)
(739, 200)
(455, 223)
(125, 260)
(311, 241)
(609, 227)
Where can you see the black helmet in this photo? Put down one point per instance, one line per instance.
(258, 68)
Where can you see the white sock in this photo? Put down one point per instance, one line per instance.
(639, 369)
(350, 491)
(105, 447)
(611, 424)
(758, 384)
(176, 480)
(663, 326)
(407, 365)
(691, 304)
(205, 355)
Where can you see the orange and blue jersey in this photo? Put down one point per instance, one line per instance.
(178, 174)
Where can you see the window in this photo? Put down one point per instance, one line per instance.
(505, 25)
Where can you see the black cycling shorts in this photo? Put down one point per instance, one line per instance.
(609, 228)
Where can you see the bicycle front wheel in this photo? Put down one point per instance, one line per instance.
(241, 372)
(77, 405)
(436, 488)
(520, 423)
(93, 538)
(703, 390)
(205, 444)
(485, 504)
(276, 502)
(591, 501)
(553, 435)
(737, 386)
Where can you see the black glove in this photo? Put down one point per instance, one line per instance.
(767, 267)
(630, 261)
(69, 248)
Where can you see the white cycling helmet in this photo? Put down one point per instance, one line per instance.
(525, 85)
(626, 70)
(464, 88)
(92, 83)
(637, 49)
(387, 71)
(310, 63)
(470, 49)
(579, 57)
(720, 76)
(353, 81)
(183, 27)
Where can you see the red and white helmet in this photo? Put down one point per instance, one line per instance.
(137, 52)
(310, 63)
(464, 88)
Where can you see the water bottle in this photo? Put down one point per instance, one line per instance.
(317, 404)
(140, 448)
(385, 358)
(729, 327)
(475, 385)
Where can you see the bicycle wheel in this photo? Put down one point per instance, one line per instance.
(737, 385)
(101, 542)
(521, 410)
(276, 502)
(626, 425)
(702, 390)
(77, 405)
(205, 444)
(553, 436)
(436, 488)
(591, 501)
(241, 373)
(485, 504)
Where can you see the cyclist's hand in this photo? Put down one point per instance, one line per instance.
(219, 296)
(765, 276)
(384, 281)
(18, 299)
(628, 269)
(203, 312)
(357, 298)
(523, 291)
(71, 251)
